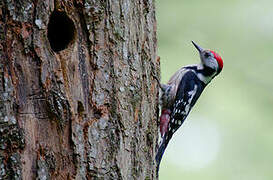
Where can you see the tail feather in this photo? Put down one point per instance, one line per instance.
(160, 152)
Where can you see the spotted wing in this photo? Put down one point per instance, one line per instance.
(189, 90)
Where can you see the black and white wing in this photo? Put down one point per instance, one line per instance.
(189, 90)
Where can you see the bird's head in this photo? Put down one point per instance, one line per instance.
(210, 59)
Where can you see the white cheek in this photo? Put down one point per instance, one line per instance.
(212, 63)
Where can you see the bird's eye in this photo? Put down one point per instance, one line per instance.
(207, 55)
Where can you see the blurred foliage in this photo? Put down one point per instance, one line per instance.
(229, 133)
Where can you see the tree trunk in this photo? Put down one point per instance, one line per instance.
(77, 94)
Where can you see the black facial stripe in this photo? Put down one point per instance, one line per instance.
(208, 71)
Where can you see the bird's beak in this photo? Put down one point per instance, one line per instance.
(197, 47)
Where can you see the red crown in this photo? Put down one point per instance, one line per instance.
(218, 58)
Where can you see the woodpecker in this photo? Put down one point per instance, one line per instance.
(181, 93)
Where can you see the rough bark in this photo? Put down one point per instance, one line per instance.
(77, 94)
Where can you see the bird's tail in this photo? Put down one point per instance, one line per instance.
(160, 152)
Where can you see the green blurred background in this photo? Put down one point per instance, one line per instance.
(229, 133)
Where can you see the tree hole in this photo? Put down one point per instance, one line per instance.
(61, 31)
